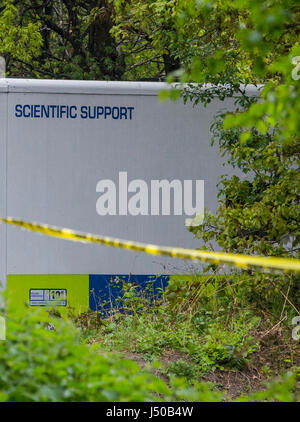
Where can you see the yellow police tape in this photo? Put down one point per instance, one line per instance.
(260, 263)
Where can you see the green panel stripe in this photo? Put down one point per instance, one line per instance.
(77, 286)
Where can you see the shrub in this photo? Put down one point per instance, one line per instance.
(38, 364)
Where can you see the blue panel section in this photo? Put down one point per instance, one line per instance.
(106, 290)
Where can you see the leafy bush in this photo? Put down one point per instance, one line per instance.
(38, 364)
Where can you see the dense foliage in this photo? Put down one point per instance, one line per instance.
(258, 213)
(215, 324)
(99, 39)
(63, 39)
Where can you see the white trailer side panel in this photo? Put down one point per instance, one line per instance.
(51, 166)
(3, 141)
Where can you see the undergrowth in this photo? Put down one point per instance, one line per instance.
(174, 348)
(205, 326)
